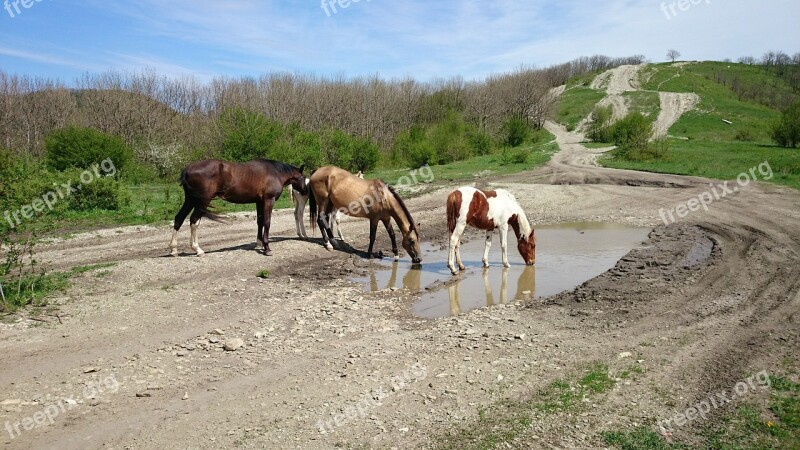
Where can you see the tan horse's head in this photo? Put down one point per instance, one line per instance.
(411, 243)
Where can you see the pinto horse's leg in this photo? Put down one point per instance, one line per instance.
(267, 218)
(458, 257)
(299, 210)
(504, 244)
(455, 240)
(373, 232)
(336, 217)
(179, 218)
(388, 225)
(486, 248)
(194, 224)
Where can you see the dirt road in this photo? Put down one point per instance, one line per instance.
(708, 301)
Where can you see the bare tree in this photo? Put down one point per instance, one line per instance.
(673, 54)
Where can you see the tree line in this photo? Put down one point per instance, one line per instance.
(156, 115)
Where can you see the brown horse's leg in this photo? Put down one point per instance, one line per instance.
(268, 204)
(373, 232)
(194, 224)
(388, 224)
(176, 225)
(260, 222)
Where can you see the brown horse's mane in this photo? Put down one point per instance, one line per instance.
(279, 166)
(412, 226)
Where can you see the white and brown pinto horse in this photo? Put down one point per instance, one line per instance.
(488, 210)
(334, 189)
(299, 200)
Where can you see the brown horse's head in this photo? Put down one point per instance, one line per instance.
(298, 180)
(527, 248)
(411, 243)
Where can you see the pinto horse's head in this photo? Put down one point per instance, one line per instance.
(527, 248)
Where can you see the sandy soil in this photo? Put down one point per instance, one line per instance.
(708, 301)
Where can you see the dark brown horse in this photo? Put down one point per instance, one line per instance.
(260, 181)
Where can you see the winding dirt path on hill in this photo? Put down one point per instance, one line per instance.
(626, 79)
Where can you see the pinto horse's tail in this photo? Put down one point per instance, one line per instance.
(453, 210)
(199, 203)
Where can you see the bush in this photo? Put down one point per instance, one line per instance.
(632, 132)
(247, 135)
(600, 127)
(83, 148)
(786, 132)
(104, 193)
(365, 155)
(480, 142)
(514, 156)
(515, 132)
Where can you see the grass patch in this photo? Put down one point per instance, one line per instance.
(640, 438)
(485, 166)
(33, 289)
(719, 160)
(576, 104)
(509, 420)
(263, 274)
(646, 103)
(774, 425)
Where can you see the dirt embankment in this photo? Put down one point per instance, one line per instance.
(706, 302)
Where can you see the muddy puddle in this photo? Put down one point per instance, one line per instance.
(566, 256)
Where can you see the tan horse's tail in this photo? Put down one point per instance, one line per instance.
(312, 205)
(453, 210)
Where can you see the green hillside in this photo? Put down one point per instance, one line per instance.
(730, 129)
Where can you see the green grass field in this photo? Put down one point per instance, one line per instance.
(576, 104)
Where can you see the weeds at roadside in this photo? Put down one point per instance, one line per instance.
(508, 420)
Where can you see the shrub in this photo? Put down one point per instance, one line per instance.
(600, 127)
(515, 132)
(480, 142)
(83, 148)
(514, 156)
(365, 155)
(104, 193)
(786, 132)
(247, 135)
(632, 132)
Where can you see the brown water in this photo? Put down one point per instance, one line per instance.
(566, 256)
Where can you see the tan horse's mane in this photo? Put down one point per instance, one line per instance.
(412, 225)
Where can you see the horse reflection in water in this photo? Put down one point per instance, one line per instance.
(412, 280)
(526, 289)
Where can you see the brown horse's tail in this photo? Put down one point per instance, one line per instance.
(197, 201)
(453, 210)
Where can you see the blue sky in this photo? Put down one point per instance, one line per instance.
(394, 38)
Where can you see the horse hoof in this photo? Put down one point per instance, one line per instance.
(268, 252)
(200, 254)
(174, 253)
(329, 247)
(485, 264)
(462, 268)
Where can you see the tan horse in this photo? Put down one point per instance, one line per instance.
(333, 189)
